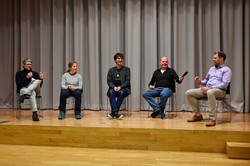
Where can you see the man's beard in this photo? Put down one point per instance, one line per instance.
(216, 65)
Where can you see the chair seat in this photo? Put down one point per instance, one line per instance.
(205, 98)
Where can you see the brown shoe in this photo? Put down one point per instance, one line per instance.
(211, 122)
(195, 118)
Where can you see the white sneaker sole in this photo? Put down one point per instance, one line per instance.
(120, 117)
(110, 116)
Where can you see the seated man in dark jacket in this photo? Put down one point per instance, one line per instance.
(118, 80)
(161, 85)
(27, 82)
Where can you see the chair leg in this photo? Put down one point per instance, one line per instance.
(230, 109)
(171, 105)
(18, 110)
(40, 109)
(149, 111)
(216, 111)
(129, 112)
(107, 113)
(18, 113)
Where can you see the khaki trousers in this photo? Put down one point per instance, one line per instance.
(30, 90)
(211, 95)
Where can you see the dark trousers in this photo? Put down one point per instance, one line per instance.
(77, 94)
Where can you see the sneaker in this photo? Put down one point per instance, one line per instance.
(118, 116)
(35, 116)
(62, 115)
(78, 117)
(24, 96)
(111, 116)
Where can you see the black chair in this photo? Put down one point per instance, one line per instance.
(226, 101)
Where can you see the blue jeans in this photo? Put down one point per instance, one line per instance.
(116, 103)
(161, 92)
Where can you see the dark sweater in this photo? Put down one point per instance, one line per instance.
(23, 81)
(167, 79)
(124, 75)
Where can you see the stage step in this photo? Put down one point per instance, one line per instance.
(122, 138)
(238, 150)
(16, 155)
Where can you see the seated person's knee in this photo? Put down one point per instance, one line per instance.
(144, 94)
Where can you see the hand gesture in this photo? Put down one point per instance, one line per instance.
(197, 80)
(117, 89)
(29, 75)
(71, 88)
(151, 87)
(43, 75)
(205, 89)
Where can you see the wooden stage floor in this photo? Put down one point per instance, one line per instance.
(97, 138)
(240, 121)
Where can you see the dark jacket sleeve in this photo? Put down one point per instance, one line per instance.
(153, 79)
(176, 77)
(126, 81)
(109, 79)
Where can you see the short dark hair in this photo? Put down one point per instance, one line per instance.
(221, 54)
(118, 55)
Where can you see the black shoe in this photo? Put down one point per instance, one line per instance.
(154, 114)
(111, 116)
(162, 114)
(118, 116)
(24, 96)
(35, 116)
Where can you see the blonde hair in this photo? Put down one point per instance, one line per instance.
(70, 65)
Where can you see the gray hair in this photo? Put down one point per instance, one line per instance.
(26, 60)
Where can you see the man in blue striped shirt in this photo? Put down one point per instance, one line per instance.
(215, 85)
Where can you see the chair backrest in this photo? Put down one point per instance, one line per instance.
(228, 89)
